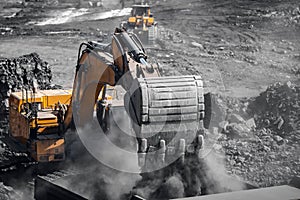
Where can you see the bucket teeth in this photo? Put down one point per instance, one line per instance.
(200, 142)
(142, 152)
(181, 147)
(162, 151)
(162, 146)
(181, 150)
(160, 155)
(141, 159)
(143, 147)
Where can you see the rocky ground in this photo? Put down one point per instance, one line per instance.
(263, 149)
(248, 53)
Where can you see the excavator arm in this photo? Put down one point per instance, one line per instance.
(166, 112)
(95, 69)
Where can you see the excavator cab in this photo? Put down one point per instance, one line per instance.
(139, 10)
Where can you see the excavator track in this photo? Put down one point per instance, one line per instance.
(169, 113)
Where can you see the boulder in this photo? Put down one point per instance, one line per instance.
(237, 130)
(251, 123)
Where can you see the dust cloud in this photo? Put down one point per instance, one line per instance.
(102, 168)
(198, 176)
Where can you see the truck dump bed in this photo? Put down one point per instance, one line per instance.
(50, 187)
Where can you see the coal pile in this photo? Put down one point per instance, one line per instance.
(20, 73)
(261, 144)
(278, 108)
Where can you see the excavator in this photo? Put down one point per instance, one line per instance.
(166, 113)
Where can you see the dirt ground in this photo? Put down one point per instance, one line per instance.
(240, 47)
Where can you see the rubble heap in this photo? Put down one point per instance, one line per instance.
(278, 109)
(19, 73)
(263, 160)
(261, 145)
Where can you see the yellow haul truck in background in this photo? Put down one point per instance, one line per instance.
(142, 23)
(141, 16)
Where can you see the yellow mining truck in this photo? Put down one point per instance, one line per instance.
(142, 23)
(34, 120)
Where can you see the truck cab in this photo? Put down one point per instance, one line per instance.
(141, 15)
